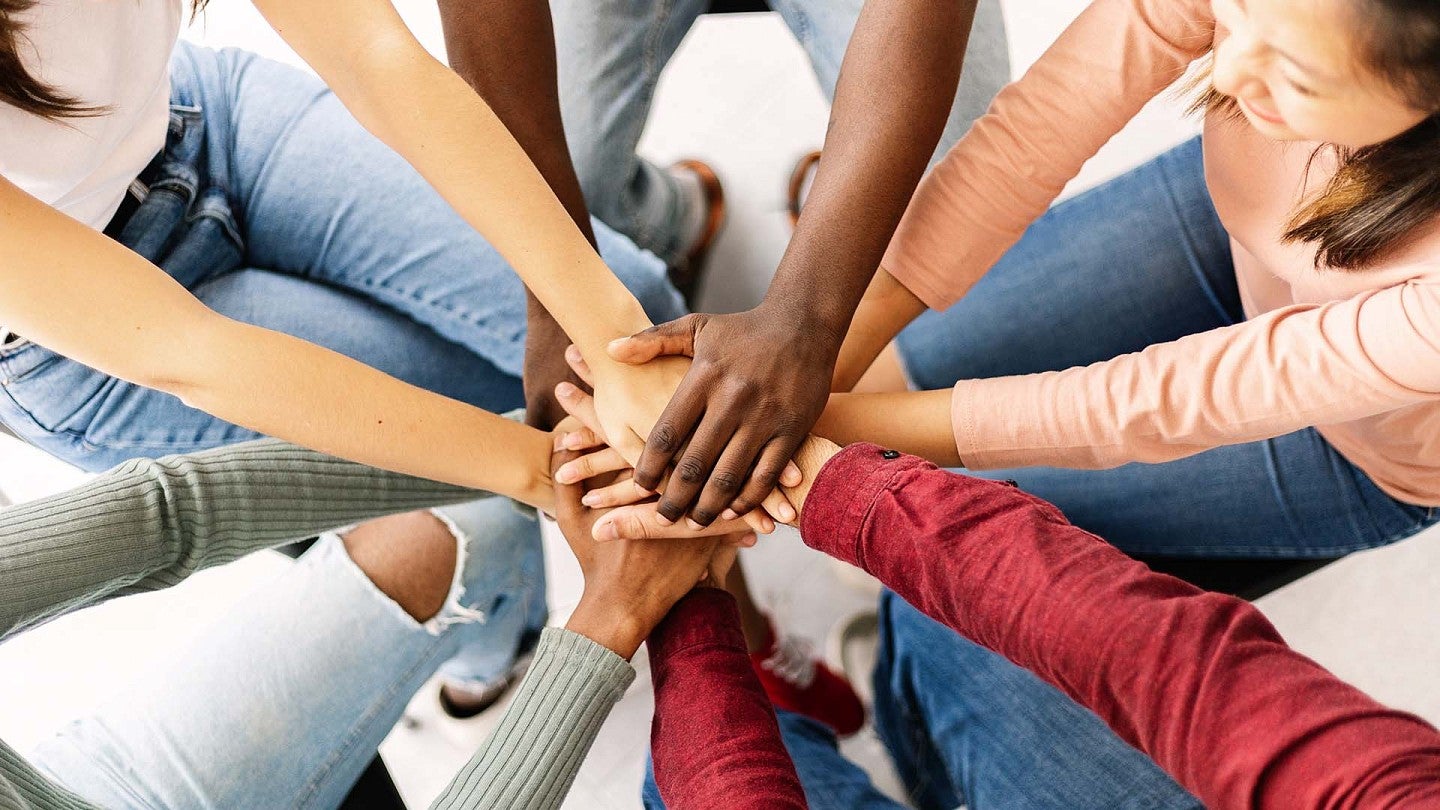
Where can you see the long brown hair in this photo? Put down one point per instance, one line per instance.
(18, 88)
(1380, 195)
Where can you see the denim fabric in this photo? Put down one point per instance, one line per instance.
(830, 780)
(283, 701)
(275, 207)
(611, 55)
(1143, 259)
(962, 723)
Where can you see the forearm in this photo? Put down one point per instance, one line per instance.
(147, 525)
(529, 762)
(285, 387)
(1200, 682)
(896, 86)
(86, 297)
(714, 738)
(916, 422)
(505, 50)
(427, 114)
(886, 308)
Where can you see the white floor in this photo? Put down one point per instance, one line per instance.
(739, 95)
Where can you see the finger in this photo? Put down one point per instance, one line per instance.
(791, 477)
(620, 493)
(642, 522)
(695, 466)
(759, 521)
(590, 465)
(582, 438)
(577, 364)
(580, 405)
(672, 429)
(567, 496)
(764, 477)
(675, 337)
(730, 474)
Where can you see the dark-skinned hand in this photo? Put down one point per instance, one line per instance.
(756, 387)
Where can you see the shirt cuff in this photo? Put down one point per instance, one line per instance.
(843, 496)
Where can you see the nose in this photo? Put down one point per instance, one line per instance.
(1238, 64)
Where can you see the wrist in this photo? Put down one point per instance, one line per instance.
(610, 623)
(812, 327)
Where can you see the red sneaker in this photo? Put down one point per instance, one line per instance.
(797, 681)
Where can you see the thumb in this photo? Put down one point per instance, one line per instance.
(675, 337)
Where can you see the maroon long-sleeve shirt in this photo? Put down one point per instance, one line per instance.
(1199, 681)
(714, 739)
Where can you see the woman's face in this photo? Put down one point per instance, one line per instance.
(1296, 70)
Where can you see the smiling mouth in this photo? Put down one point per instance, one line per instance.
(1263, 115)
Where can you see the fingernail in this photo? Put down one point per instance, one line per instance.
(768, 524)
(572, 441)
(663, 521)
(728, 514)
(616, 343)
(565, 390)
(572, 352)
(590, 499)
(787, 513)
(694, 526)
(565, 476)
(606, 531)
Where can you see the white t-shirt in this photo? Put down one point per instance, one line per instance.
(111, 53)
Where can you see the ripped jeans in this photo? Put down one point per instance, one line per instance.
(282, 703)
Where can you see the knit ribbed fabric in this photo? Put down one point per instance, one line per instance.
(531, 759)
(148, 524)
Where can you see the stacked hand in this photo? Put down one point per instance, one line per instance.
(631, 584)
(631, 398)
(736, 415)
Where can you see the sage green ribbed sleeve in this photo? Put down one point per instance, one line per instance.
(148, 524)
(531, 759)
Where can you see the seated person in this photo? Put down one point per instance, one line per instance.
(1199, 682)
(301, 679)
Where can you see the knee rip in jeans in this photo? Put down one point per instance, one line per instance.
(453, 610)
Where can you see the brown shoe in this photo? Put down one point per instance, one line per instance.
(805, 168)
(686, 275)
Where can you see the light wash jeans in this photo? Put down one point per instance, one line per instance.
(281, 703)
(274, 207)
(611, 53)
(962, 724)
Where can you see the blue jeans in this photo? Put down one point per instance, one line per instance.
(611, 53)
(273, 206)
(282, 702)
(961, 724)
(1143, 259)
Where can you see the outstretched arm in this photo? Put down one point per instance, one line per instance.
(505, 49)
(761, 377)
(432, 118)
(1199, 681)
(148, 524)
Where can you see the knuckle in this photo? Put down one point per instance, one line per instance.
(664, 438)
(726, 481)
(690, 471)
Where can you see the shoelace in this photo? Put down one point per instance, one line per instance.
(792, 662)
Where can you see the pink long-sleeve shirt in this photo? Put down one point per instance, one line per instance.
(1355, 354)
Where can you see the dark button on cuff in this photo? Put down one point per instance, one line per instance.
(889, 455)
